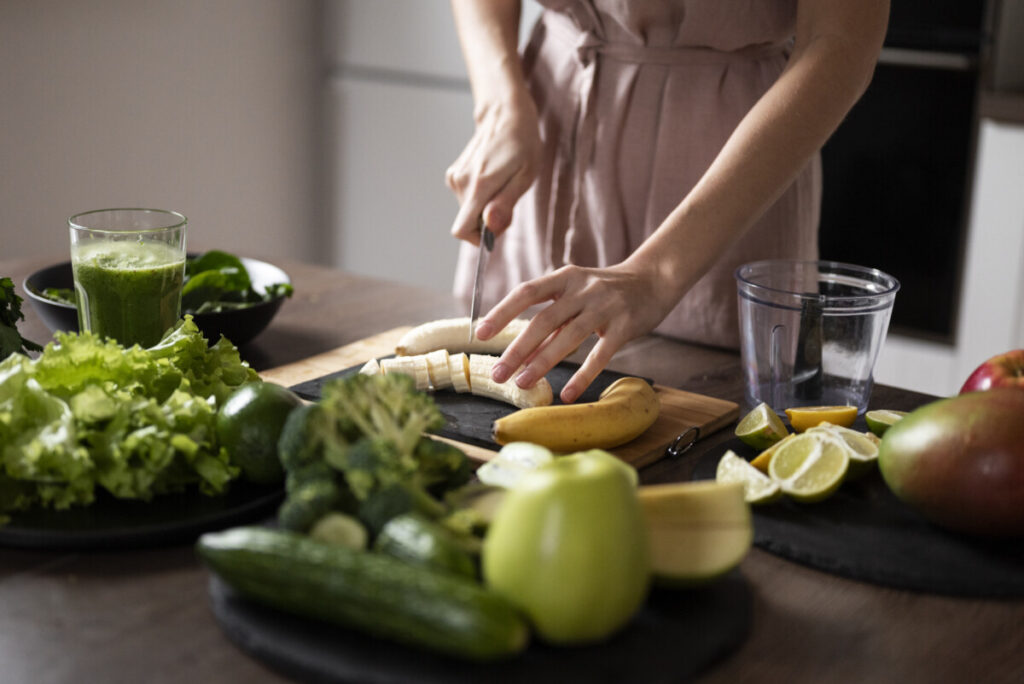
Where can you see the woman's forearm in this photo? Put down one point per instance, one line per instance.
(836, 48)
(489, 35)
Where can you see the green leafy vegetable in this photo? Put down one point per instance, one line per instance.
(11, 340)
(218, 281)
(89, 414)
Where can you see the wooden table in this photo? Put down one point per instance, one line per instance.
(143, 616)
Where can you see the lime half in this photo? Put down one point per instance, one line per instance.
(810, 467)
(881, 420)
(761, 428)
(757, 487)
(863, 447)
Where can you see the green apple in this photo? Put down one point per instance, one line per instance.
(568, 547)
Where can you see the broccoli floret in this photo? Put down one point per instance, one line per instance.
(368, 431)
(441, 466)
(308, 503)
(384, 406)
(301, 441)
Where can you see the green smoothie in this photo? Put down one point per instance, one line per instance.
(130, 291)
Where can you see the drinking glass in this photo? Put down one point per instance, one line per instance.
(129, 266)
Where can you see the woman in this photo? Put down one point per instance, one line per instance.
(640, 152)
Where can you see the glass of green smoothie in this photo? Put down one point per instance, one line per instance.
(129, 265)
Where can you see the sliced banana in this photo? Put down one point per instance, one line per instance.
(452, 334)
(416, 366)
(481, 384)
(438, 369)
(371, 367)
(458, 367)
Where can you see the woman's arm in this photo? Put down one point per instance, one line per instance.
(837, 45)
(500, 161)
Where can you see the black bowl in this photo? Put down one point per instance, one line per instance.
(239, 326)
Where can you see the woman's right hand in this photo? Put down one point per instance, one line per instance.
(496, 167)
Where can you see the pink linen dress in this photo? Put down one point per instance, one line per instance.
(635, 101)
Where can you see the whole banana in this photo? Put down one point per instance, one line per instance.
(625, 409)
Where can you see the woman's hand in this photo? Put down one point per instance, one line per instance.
(496, 167)
(619, 303)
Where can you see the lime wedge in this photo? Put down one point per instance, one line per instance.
(863, 447)
(758, 488)
(810, 467)
(762, 460)
(761, 428)
(881, 420)
(804, 417)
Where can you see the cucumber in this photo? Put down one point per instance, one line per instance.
(414, 539)
(374, 593)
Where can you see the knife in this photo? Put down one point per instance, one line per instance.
(486, 245)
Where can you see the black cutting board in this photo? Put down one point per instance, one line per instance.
(864, 532)
(469, 418)
(676, 635)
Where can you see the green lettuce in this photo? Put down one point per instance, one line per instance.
(89, 414)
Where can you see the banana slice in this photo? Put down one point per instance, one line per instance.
(438, 369)
(453, 334)
(416, 366)
(481, 385)
(458, 367)
(371, 367)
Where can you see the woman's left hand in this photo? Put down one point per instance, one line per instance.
(618, 303)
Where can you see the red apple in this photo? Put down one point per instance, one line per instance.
(1004, 370)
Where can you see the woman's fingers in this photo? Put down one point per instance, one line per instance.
(596, 361)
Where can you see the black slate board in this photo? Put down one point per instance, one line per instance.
(865, 533)
(166, 520)
(676, 635)
(468, 417)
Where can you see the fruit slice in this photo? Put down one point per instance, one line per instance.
(810, 467)
(804, 417)
(881, 420)
(458, 371)
(757, 487)
(697, 530)
(863, 449)
(512, 463)
(762, 460)
(438, 369)
(761, 428)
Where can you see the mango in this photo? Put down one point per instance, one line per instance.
(959, 462)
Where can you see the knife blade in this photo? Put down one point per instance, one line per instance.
(486, 245)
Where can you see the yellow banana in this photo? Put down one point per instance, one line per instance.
(625, 409)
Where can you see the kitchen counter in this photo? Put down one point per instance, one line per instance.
(144, 616)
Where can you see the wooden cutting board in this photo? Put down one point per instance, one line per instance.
(680, 410)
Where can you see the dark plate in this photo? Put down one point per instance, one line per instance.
(239, 326)
(110, 523)
(865, 533)
(676, 635)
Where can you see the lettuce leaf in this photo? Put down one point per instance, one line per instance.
(89, 414)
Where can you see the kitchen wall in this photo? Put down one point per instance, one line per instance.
(210, 107)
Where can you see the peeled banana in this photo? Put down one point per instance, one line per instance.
(465, 373)
(625, 409)
(452, 334)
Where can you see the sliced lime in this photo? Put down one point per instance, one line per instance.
(761, 428)
(881, 420)
(810, 467)
(757, 487)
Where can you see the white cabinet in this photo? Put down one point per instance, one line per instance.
(399, 111)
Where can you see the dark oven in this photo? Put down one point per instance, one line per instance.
(897, 172)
